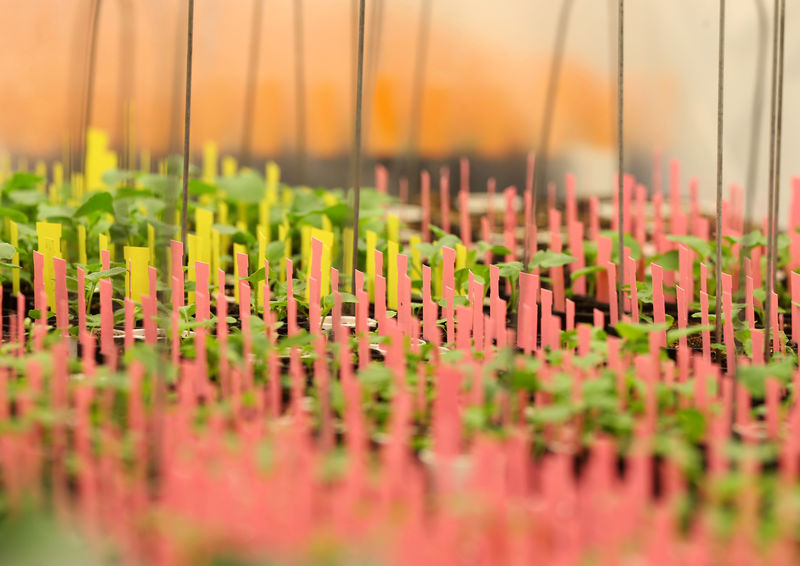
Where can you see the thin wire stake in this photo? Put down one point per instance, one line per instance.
(178, 80)
(777, 179)
(548, 112)
(720, 101)
(417, 92)
(300, 90)
(771, 186)
(186, 124)
(127, 80)
(357, 140)
(620, 149)
(778, 144)
(756, 115)
(373, 48)
(252, 76)
(88, 102)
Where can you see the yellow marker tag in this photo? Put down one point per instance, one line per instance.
(97, 158)
(287, 197)
(283, 236)
(437, 273)
(106, 244)
(222, 219)
(326, 238)
(49, 248)
(242, 209)
(392, 278)
(461, 256)
(210, 159)
(461, 262)
(237, 249)
(216, 260)
(103, 243)
(393, 228)
(191, 243)
(137, 260)
(14, 237)
(273, 178)
(49, 241)
(82, 257)
(151, 243)
(305, 246)
(204, 220)
(263, 217)
(262, 253)
(229, 166)
(50, 230)
(372, 242)
(416, 259)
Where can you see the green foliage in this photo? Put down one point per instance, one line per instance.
(7, 251)
(700, 246)
(97, 203)
(546, 259)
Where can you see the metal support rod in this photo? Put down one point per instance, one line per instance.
(178, 78)
(88, 102)
(777, 128)
(126, 70)
(300, 90)
(720, 101)
(373, 48)
(620, 149)
(551, 93)
(772, 180)
(186, 124)
(357, 139)
(251, 85)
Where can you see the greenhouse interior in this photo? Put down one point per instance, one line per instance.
(395, 282)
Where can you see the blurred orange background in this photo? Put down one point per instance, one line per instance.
(485, 79)
(480, 95)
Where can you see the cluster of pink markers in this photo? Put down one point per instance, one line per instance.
(249, 455)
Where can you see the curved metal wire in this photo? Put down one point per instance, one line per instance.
(564, 16)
